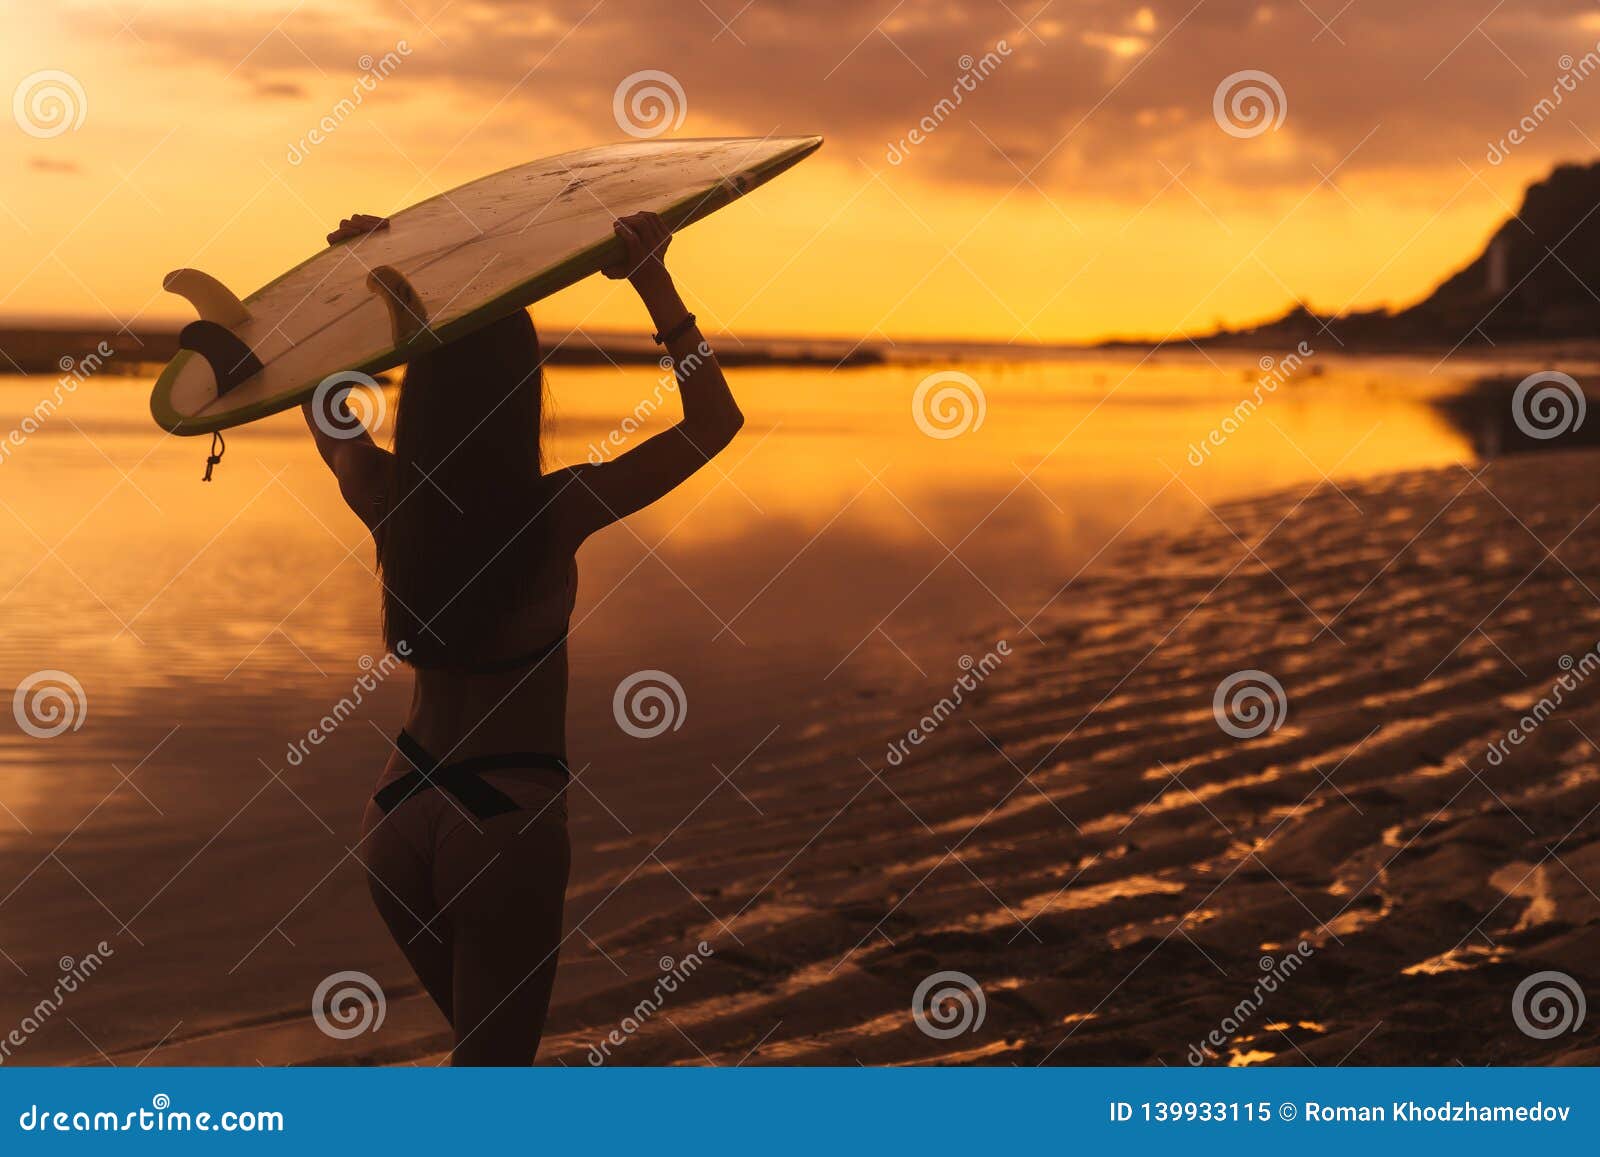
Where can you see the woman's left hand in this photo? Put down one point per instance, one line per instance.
(355, 226)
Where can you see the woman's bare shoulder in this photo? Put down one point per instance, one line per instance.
(366, 478)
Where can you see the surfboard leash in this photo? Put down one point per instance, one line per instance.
(218, 447)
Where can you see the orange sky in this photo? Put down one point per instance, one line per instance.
(1083, 188)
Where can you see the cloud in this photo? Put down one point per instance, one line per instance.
(53, 165)
(1100, 98)
(280, 88)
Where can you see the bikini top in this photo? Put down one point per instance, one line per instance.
(517, 662)
(531, 657)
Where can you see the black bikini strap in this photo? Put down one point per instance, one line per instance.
(461, 779)
(395, 793)
(416, 754)
(479, 797)
(518, 662)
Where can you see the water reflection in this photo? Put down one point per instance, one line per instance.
(836, 545)
(1487, 414)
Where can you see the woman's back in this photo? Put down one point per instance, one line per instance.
(513, 695)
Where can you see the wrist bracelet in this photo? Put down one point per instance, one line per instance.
(675, 332)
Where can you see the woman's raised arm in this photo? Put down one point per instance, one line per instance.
(596, 495)
(359, 463)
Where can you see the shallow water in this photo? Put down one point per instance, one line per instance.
(836, 550)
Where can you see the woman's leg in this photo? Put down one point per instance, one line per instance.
(401, 883)
(501, 891)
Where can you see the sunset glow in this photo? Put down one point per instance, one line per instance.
(1083, 189)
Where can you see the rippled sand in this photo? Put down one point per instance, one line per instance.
(1113, 870)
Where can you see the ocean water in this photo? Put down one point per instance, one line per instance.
(168, 644)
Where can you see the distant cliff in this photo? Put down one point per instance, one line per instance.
(1537, 279)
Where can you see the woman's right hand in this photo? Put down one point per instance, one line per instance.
(644, 238)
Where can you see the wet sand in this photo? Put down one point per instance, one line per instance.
(1115, 871)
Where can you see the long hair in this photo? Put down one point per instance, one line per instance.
(459, 546)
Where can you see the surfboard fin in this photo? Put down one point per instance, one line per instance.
(211, 299)
(408, 316)
(232, 362)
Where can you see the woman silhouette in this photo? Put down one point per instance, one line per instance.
(465, 838)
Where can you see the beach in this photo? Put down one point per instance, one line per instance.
(1115, 871)
(1008, 780)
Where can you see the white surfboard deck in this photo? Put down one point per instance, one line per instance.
(474, 254)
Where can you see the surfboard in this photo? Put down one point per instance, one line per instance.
(441, 269)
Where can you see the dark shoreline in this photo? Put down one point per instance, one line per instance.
(59, 350)
(37, 349)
